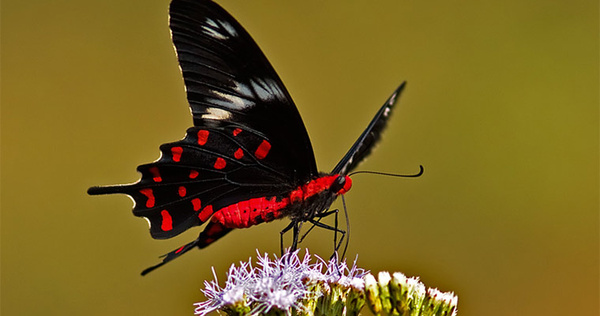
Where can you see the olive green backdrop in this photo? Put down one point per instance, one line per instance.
(501, 108)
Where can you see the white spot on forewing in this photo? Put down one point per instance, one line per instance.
(216, 114)
(213, 33)
(386, 112)
(243, 89)
(266, 89)
(228, 27)
(232, 101)
(211, 22)
(260, 89)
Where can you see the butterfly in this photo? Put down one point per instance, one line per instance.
(248, 158)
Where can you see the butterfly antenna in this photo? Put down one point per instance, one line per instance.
(416, 175)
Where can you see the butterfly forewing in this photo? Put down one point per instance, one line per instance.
(229, 80)
(365, 143)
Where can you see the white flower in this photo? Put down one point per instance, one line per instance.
(282, 283)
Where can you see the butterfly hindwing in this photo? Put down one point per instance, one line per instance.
(207, 170)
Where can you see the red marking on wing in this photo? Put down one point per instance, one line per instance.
(150, 195)
(206, 213)
(212, 230)
(193, 174)
(167, 221)
(155, 174)
(239, 153)
(202, 136)
(262, 150)
(176, 151)
(197, 204)
(180, 249)
(220, 163)
(237, 131)
(181, 191)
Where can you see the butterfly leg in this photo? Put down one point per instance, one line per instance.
(296, 232)
(282, 232)
(320, 216)
(337, 244)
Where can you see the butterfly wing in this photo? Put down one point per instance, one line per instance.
(229, 80)
(248, 139)
(207, 170)
(371, 135)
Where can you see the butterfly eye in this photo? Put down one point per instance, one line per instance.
(341, 185)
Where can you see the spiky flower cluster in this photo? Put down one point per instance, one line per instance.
(287, 286)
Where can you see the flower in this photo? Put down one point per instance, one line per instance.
(286, 286)
(292, 286)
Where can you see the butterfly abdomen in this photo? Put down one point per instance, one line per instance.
(250, 212)
(261, 210)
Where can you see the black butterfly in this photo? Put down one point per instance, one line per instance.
(248, 158)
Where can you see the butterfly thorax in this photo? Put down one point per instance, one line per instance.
(301, 204)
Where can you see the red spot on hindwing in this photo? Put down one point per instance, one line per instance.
(197, 204)
(167, 221)
(220, 163)
(237, 131)
(155, 174)
(239, 153)
(150, 195)
(181, 191)
(176, 152)
(180, 249)
(193, 174)
(202, 136)
(205, 213)
(262, 150)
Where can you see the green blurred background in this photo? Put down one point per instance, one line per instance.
(501, 108)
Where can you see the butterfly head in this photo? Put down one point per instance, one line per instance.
(341, 184)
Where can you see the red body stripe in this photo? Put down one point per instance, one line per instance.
(167, 221)
(155, 174)
(206, 213)
(197, 204)
(150, 195)
(263, 150)
(239, 153)
(202, 136)
(250, 212)
(237, 131)
(176, 151)
(193, 174)
(257, 210)
(220, 163)
(181, 191)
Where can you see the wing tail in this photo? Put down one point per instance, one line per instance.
(172, 255)
(211, 233)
